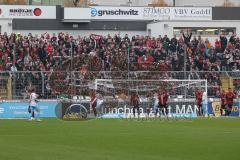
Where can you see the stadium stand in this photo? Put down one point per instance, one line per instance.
(47, 61)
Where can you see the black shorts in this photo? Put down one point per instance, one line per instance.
(162, 106)
(230, 106)
(136, 106)
(148, 110)
(223, 106)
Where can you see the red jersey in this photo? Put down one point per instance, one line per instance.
(163, 98)
(135, 100)
(93, 100)
(229, 98)
(223, 98)
(50, 49)
(199, 95)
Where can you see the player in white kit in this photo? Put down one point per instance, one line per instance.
(205, 103)
(99, 105)
(155, 104)
(33, 108)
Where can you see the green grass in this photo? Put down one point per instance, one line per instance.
(201, 139)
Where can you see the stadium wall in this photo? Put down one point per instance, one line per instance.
(167, 27)
(6, 26)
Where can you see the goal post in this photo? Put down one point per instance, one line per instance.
(116, 95)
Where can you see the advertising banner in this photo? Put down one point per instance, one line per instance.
(121, 109)
(191, 13)
(216, 106)
(27, 12)
(116, 13)
(20, 109)
(139, 13)
(152, 13)
(157, 13)
(177, 13)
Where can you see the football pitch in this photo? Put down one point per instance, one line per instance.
(102, 139)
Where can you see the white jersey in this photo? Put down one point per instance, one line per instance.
(204, 98)
(99, 102)
(33, 99)
(156, 101)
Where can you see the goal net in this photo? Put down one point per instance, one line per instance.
(116, 94)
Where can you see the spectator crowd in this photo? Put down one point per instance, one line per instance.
(91, 55)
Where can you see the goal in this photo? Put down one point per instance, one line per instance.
(116, 95)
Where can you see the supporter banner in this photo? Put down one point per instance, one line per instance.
(116, 13)
(27, 12)
(20, 109)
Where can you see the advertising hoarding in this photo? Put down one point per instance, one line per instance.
(139, 13)
(27, 12)
(20, 109)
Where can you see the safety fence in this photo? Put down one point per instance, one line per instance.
(57, 84)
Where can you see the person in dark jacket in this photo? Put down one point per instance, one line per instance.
(223, 41)
(233, 39)
(187, 37)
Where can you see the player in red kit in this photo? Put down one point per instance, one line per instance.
(135, 101)
(199, 95)
(229, 98)
(163, 101)
(223, 102)
(94, 102)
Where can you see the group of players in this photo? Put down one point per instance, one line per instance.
(160, 98)
(226, 102)
(159, 102)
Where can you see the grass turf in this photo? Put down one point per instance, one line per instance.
(200, 139)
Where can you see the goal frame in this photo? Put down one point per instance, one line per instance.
(193, 81)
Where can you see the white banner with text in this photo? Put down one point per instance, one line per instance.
(27, 12)
(140, 13)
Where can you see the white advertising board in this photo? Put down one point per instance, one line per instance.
(27, 12)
